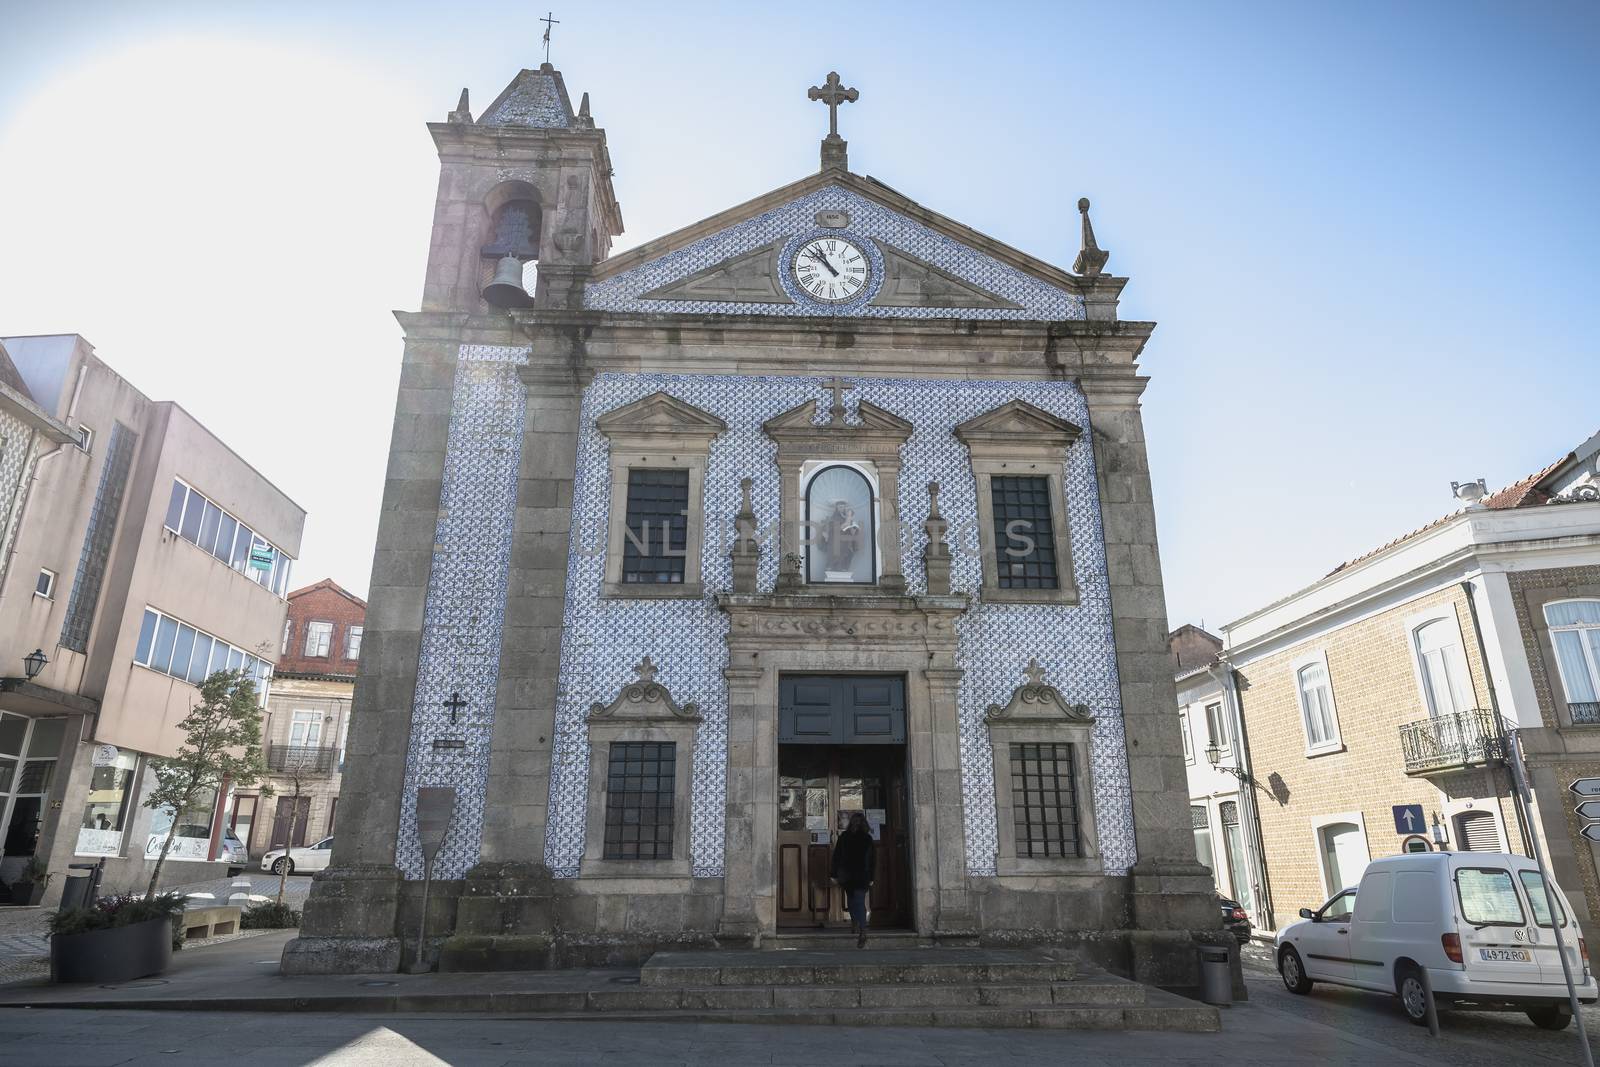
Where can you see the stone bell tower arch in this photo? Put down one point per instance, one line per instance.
(528, 159)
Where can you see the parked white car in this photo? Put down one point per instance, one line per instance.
(305, 858)
(1478, 922)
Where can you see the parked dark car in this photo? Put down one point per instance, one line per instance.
(1234, 920)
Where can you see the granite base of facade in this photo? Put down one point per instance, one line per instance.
(508, 917)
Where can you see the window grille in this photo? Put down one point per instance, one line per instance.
(1044, 801)
(1022, 521)
(656, 545)
(639, 798)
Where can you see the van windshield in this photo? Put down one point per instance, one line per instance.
(1488, 897)
(1533, 882)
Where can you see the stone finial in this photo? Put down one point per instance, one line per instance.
(1091, 261)
(746, 548)
(585, 120)
(936, 555)
(463, 111)
(645, 700)
(645, 670)
(1033, 672)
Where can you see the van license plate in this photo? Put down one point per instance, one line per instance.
(1505, 955)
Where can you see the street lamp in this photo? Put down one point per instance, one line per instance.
(34, 662)
(1214, 757)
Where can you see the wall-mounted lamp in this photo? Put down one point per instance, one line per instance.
(34, 662)
(1214, 757)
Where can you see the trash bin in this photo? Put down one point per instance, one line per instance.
(80, 889)
(75, 890)
(1216, 977)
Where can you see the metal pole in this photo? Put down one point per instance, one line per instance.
(1432, 1008)
(1553, 908)
(418, 964)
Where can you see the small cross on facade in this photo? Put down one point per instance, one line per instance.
(550, 23)
(838, 386)
(455, 704)
(1034, 673)
(832, 93)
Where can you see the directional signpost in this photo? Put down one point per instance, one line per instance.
(1408, 819)
(1588, 809)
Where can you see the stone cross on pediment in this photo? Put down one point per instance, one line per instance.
(645, 700)
(833, 93)
(1037, 701)
(838, 387)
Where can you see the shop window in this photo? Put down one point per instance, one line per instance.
(105, 812)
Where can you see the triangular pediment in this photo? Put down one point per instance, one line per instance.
(751, 278)
(923, 264)
(659, 413)
(1018, 420)
(910, 282)
(802, 421)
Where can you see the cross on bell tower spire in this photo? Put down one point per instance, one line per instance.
(833, 93)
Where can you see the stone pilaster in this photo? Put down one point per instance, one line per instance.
(747, 869)
(530, 652)
(349, 920)
(1169, 889)
(952, 914)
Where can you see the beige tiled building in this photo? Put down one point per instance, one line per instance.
(308, 721)
(147, 555)
(1377, 702)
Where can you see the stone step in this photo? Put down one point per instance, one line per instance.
(870, 966)
(1188, 1016)
(1083, 993)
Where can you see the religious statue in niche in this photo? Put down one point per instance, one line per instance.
(839, 537)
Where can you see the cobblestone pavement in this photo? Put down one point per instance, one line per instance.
(24, 934)
(1466, 1039)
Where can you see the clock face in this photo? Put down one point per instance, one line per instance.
(831, 269)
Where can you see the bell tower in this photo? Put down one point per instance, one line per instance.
(525, 204)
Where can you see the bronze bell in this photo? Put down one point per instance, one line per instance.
(505, 290)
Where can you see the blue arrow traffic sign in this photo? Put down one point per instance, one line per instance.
(1408, 819)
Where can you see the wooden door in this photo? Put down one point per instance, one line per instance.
(289, 822)
(819, 788)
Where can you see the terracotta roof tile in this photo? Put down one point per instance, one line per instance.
(1518, 494)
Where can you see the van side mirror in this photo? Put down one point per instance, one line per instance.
(1305, 913)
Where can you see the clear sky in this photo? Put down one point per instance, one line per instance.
(1367, 230)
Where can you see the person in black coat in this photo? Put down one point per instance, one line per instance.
(853, 860)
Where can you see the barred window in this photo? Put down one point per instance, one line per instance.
(654, 548)
(639, 789)
(1025, 553)
(1043, 800)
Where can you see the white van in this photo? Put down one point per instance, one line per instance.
(1477, 921)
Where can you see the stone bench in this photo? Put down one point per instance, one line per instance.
(217, 921)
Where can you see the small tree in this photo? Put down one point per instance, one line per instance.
(222, 742)
(294, 769)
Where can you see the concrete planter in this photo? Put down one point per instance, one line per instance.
(119, 954)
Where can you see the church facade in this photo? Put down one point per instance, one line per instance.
(826, 504)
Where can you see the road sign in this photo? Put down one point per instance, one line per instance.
(1589, 809)
(1586, 787)
(1408, 819)
(1591, 830)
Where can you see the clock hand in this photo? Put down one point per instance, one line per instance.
(820, 258)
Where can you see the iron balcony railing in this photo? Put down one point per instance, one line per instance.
(1461, 739)
(303, 759)
(1585, 714)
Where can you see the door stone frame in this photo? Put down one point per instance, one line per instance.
(868, 633)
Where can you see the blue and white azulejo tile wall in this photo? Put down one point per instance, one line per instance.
(464, 614)
(869, 221)
(686, 639)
